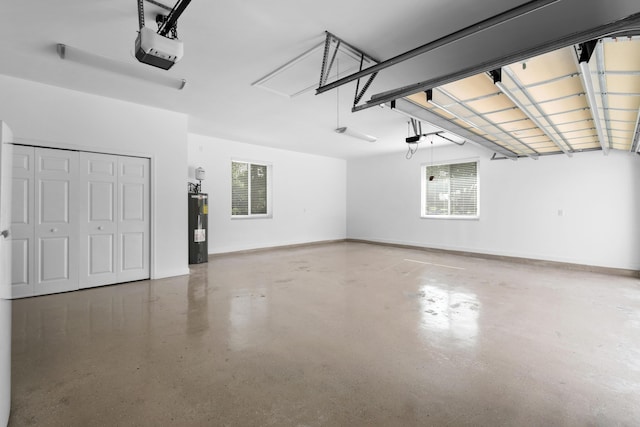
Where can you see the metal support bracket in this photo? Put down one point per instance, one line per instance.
(331, 47)
(451, 140)
(161, 20)
(586, 50)
(417, 126)
(141, 14)
(635, 144)
(359, 94)
(172, 19)
(495, 157)
(496, 75)
(418, 135)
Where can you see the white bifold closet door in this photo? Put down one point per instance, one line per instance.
(44, 221)
(79, 220)
(114, 212)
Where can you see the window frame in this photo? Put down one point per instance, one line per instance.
(249, 215)
(423, 190)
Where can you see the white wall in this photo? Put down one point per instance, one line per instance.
(64, 118)
(309, 196)
(519, 203)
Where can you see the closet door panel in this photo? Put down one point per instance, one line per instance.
(56, 221)
(98, 225)
(22, 222)
(133, 218)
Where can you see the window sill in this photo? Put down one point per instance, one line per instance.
(243, 217)
(464, 218)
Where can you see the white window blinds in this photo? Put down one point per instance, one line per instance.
(258, 189)
(249, 189)
(239, 188)
(451, 190)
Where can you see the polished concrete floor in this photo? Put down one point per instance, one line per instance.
(343, 334)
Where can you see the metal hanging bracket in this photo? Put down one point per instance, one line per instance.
(332, 46)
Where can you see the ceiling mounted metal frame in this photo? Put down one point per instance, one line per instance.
(485, 24)
(525, 110)
(599, 53)
(625, 25)
(299, 75)
(586, 52)
(331, 47)
(529, 151)
(412, 110)
(619, 106)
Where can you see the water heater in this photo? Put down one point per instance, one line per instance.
(198, 224)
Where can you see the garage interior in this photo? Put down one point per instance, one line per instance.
(447, 233)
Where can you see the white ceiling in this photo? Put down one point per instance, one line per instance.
(231, 44)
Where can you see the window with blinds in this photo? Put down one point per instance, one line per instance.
(250, 189)
(450, 190)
